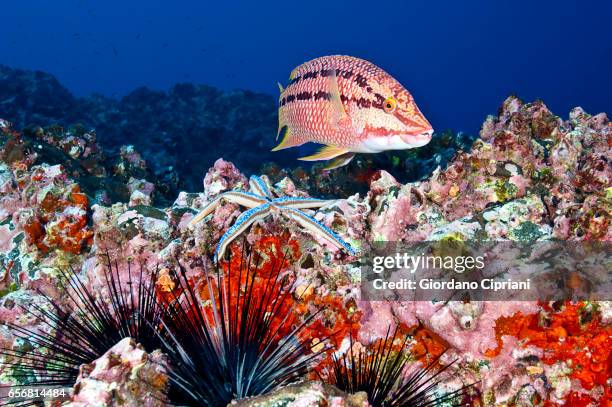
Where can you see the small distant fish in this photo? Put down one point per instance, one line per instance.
(351, 106)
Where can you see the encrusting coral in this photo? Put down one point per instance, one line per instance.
(125, 375)
(531, 176)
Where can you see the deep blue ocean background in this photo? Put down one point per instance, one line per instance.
(460, 59)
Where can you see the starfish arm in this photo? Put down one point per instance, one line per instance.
(259, 186)
(245, 220)
(241, 198)
(301, 203)
(316, 227)
(206, 210)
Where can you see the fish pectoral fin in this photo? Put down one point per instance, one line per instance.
(337, 113)
(325, 153)
(339, 161)
(288, 139)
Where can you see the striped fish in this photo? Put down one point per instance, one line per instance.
(351, 106)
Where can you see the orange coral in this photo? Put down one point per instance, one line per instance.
(575, 399)
(52, 228)
(35, 233)
(428, 345)
(271, 251)
(164, 282)
(338, 319)
(259, 284)
(585, 346)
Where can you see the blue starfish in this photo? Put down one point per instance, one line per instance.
(261, 202)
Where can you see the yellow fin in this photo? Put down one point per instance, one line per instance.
(287, 139)
(339, 161)
(325, 153)
(336, 109)
(280, 87)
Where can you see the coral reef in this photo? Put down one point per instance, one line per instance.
(104, 179)
(531, 176)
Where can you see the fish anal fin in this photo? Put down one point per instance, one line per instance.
(325, 153)
(339, 161)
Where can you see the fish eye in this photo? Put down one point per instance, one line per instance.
(390, 104)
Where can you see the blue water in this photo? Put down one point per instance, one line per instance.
(460, 59)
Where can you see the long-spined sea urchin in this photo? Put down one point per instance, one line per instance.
(381, 372)
(86, 329)
(240, 341)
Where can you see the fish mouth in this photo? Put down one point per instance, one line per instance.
(404, 141)
(417, 140)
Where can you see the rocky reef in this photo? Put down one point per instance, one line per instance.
(530, 176)
(176, 130)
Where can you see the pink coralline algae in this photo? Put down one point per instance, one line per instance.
(222, 177)
(531, 176)
(125, 375)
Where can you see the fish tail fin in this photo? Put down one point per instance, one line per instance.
(287, 138)
(325, 153)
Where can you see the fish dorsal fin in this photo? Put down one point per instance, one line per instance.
(325, 153)
(337, 114)
(280, 87)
